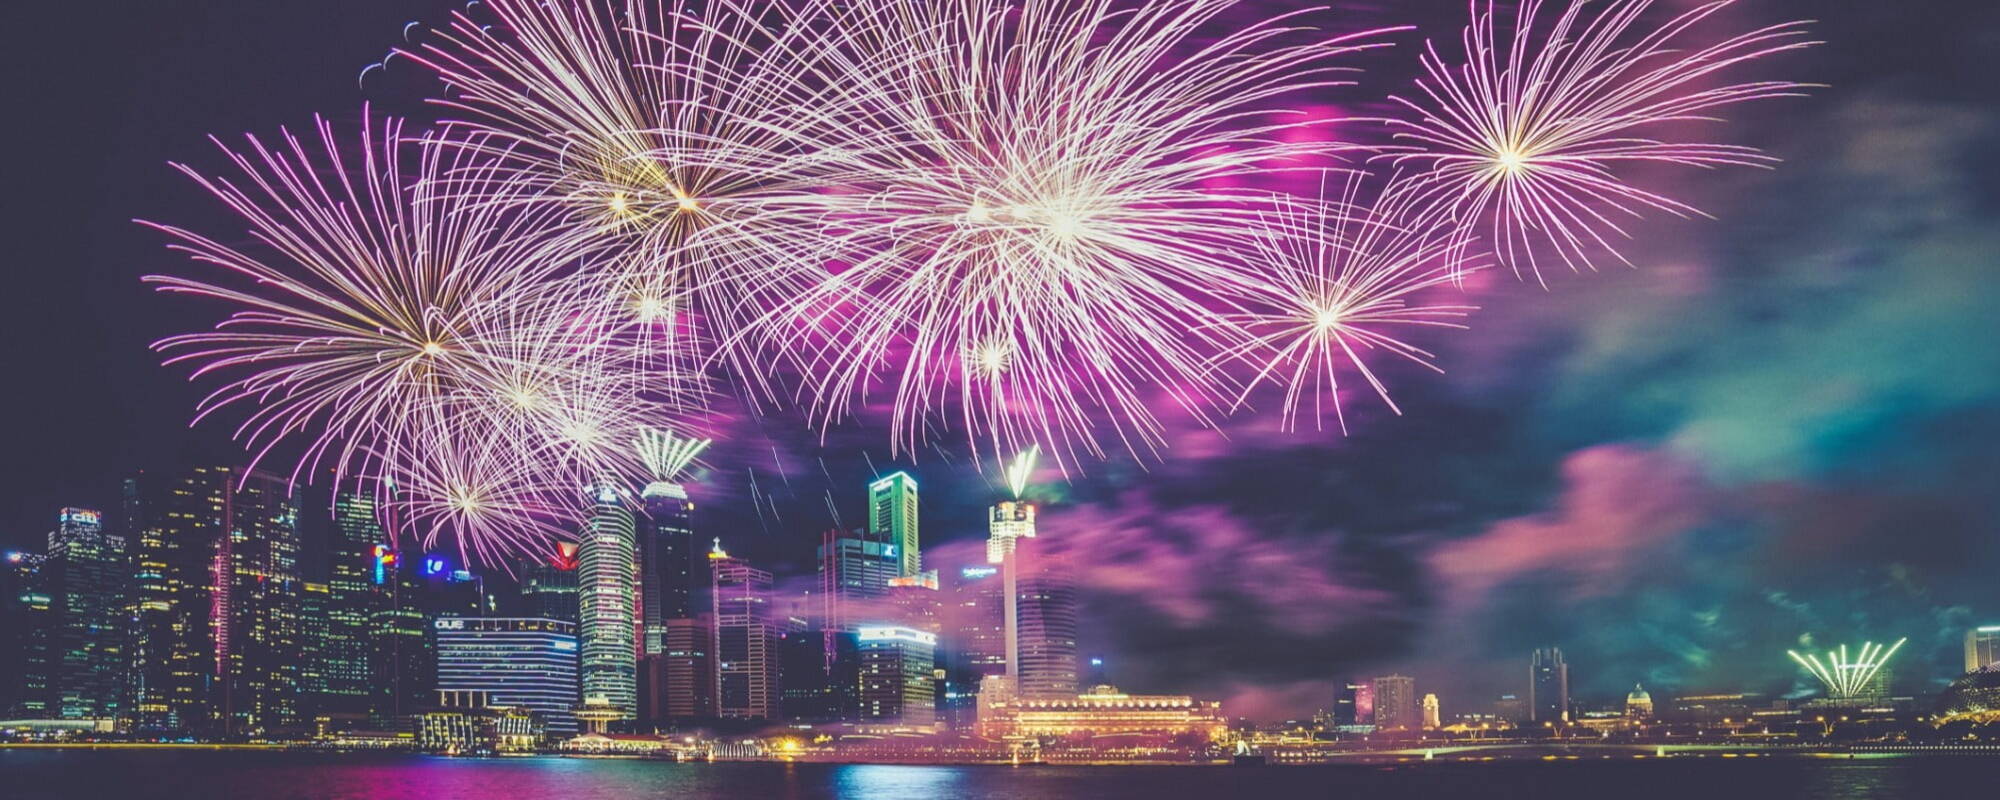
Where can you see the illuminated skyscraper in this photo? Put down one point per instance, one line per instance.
(353, 597)
(854, 573)
(745, 650)
(977, 639)
(1396, 703)
(687, 679)
(216, 600)
(1345, 698)
(1008, 522)
(670, 575)
(1043, 649)
(519, 662)
(606, 610)
(897, 681)
(25, 626)
(85, 576)
(548, 585)
(1982, 647)
(816, 687)
(892, 518)
(1431, 713)
(1548, 687)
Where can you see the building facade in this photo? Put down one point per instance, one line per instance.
(85, 575)
(897, 681)
(1548, 687)
(745, 644)
(516, 662)
(892, 518)
(607, 607)
(670, 572)
(1982, 647)
(1396, 703)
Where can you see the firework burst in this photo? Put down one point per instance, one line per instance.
(1344, 274)
(1038, 204)
(1531, 137)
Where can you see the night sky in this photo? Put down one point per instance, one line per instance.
(1779, 429)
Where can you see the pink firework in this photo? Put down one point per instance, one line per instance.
(1345, 273)
(1530, 136)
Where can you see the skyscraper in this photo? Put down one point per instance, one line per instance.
(1432, 713)
(897, 683)
(548, 586)
(606, 612)
(745, 650)
(854, 573)
(1396, 703)
(25, 626)
(1548, 686)
(815, 687)
(1007, 522)
(1044, 650)
(687, 679)
(519, 662)
(892, 518)
(1982, 647)
(977, 618)
(669, 573)
(1345, 699)
(85, 576)
(214, 557)
(352, 599)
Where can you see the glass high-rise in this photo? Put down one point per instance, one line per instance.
(85, 576)
(897, 680)
(745, 649)
(607, 607)
(548, 587)
(855, 569)
(352, 599)
(25, 626)
(670, 576)
(1396, 703)
(892, 518)
(1548, 686)
(518, 662)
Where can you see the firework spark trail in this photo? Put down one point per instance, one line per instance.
(475, 492)
(685, 144)
(1343, 273)
(1528, 138)
(1035, 210)
(365, 299)
(1845, 678)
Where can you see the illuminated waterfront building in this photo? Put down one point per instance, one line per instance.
(897, 684)
(1548, 686)
(1007, 523)
(524, 663)
(1346, 712)
(1431, 713)
(472, 722)
(892, 518)
(746, 665)
(24, 637)
(1639, 704)
(814, 686)
(312, 648)
(1511, 708)
(1103, 712)
(854, 573)
(85, 575)
(686, 671)
(670, 573)
(607, 609)
(352, 599)
(416, 591)
(215, 596)
(977, 634)
(1043, 657)
(1982, 647)
(1396, 703)
(548, 586)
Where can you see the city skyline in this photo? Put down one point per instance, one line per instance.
(1806, 458)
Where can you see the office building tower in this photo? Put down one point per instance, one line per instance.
(978, 615)
(1548, 687)
(1431, 713)
(915, 602)
(1345, 710)
(670, 574)
(402, 654)
(85, 575)
(548, 586)
(313, 630)
(1043, 623)
(897, 681)
(814, 687)
(854, 573)
(25, 627)
(686, 671)
(353, 597)
(215, 593)
(607, 619)
(746, 664)
(526, 663)
(1982, 647)
(892, 518)
(1396, 703)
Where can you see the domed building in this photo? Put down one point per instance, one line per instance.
(1975, 695)
(1638, 704)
